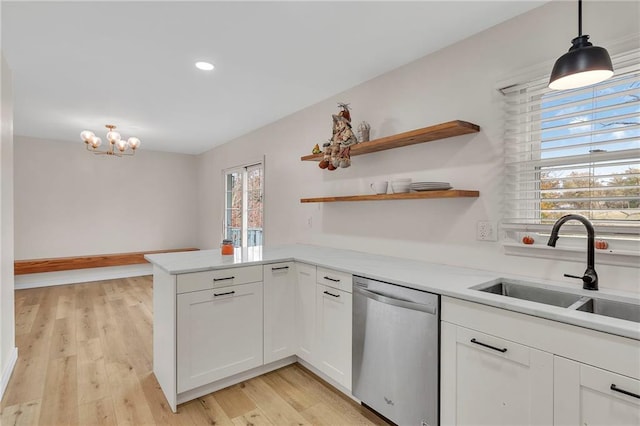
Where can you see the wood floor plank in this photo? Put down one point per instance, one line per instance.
(93, 383)
(158, 404)
(233, 401)
(66, 305)
(253, 418)
(109, 331)
(97, 413)
(206, 411)
(24, 414)
(60, 407)
(274, 407)
(63, 338)
(295, 396)
(25, 317)
(28, 379)
(129, 403)
(139, 351)
(309, 383)
(323, 415)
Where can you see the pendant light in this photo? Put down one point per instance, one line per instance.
(584, 64)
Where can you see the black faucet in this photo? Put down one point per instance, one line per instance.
(590, 277)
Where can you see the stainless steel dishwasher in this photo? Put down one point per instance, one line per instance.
(396, 351)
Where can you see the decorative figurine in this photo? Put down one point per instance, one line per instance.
(363, 132)
(337, 151)
(316, 149)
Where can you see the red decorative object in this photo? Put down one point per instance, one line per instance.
(601, 244)
(527, 239)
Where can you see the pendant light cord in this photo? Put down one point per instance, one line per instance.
(579, 18)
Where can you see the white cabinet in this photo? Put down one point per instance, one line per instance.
(305, 312)
(493, 381)
(279, 311)
(219, 333)
(585, 395)
(333, 338)
(550, 373)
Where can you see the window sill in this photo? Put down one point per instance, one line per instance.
(607, 257)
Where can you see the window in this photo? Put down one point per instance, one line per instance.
(244, 189)
(574, 152)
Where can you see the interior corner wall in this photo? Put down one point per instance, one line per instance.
(70, 202)
(457, 82)
(8, 351)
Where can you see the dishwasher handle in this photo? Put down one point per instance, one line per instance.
(396, 302)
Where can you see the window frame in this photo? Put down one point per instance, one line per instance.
(244, 169)
(624, 240)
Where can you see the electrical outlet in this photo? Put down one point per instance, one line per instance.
(486, 230)
(310, 222)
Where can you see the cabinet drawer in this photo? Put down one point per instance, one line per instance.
(219, 278)
(493, 345)
(335, 279)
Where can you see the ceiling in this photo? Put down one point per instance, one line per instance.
(81, 65)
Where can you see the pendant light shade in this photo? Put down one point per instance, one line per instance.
(584, 64)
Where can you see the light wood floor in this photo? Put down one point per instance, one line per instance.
(85, 357)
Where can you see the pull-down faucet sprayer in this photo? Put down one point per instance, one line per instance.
(590, 277)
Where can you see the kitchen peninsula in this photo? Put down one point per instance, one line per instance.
(248, 308)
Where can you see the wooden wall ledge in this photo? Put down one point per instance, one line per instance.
(55, 264)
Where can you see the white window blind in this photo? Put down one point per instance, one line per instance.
(575, 152)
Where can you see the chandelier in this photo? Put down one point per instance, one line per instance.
(117, 145)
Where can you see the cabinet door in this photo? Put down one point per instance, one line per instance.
(219, 333)
(305, 308)
(334, 325)
(279, 311)
(491, 381)
(583, 395)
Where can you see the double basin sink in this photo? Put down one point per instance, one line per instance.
(622, 308)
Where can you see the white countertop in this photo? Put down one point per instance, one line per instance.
(441, 279)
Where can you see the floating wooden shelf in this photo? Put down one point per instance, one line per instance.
(451, 193)
(426, 134)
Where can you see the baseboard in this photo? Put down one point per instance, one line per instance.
(6, 374)
(47, 279)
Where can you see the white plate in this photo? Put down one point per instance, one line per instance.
(439, 188)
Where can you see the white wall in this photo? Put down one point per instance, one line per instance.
(8, 351)
(458, 82)
(69, 202)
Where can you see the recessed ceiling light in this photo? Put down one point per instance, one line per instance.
(204, 66)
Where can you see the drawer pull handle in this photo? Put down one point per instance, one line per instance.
(332, 279)
(280, 268)
(223, 279)
(223, 294)
(503, 350)
(331, 294)
(617, 389)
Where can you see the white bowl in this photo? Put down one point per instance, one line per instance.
(400, 187)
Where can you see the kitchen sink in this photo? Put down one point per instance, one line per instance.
(531, 293)
(611, 308)
(627, 309)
